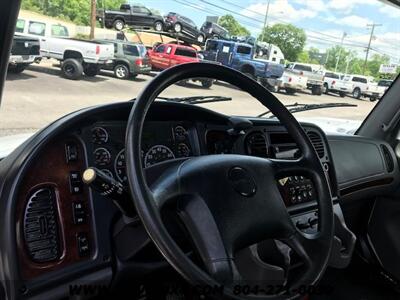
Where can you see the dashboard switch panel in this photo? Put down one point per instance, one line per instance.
(71, 152)
(79, 213)
(296, 190)
(75, 182)
(83, 244)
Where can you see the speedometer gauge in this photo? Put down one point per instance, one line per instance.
(156, 154)
(120, 167)
(102, 156)
(99, 135)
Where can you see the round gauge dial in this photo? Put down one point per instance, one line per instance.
(156, 154)
(108, 172)
(180, 132)
(183, 150)
(120, 167)
(102, 156)
(99, 135)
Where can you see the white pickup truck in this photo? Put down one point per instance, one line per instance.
(315, 76)
(76, 56)
(331, 80)
(360, 86)
(289, 81)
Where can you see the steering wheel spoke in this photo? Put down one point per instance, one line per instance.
(206, 237)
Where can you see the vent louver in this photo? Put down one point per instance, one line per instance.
(256, 144)
(41, 226)
(316, 140)
(388, 158)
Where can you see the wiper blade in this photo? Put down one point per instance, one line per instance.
(197, 99)
(299, 107)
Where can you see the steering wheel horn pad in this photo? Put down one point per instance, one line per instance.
(227, 202)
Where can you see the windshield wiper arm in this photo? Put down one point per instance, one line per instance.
(197, 99)
(299, 107)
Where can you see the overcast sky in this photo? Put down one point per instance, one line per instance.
(323, 21)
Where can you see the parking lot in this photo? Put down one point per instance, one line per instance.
(40, 95)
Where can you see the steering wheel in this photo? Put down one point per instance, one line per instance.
(228, 202)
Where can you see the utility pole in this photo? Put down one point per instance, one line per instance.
(265, 21)
(327, 57)
(340, 50)
(369, 43)
(92, 18)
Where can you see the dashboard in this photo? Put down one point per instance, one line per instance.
(64, 228)
(161, 141)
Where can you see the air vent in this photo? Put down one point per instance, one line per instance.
(388, 158)
(316, 140)
(41, 226)
(256, 145)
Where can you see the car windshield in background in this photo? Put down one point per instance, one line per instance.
(329, 62)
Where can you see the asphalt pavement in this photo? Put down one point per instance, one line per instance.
(40, 95)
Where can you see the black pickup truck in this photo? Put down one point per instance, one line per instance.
(130, 15)
(25, 50)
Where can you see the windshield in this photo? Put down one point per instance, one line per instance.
(313, 52)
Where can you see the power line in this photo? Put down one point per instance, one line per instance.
(195, 6)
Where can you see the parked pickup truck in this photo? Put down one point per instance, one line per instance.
(165, 56)
(289, 81)
(24, 51)
(360, 86)
(76, 56)
(130, 15)
(130, 59)
(315, 76)
(330, 83)
(240, 56)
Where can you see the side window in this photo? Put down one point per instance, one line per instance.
(130, 50)
(37, 28)
(185, 52)
(20, 25)
(59, 30)
(212, 46)
(160, 49)
(136, 9)
(363, 80)
(169, 49)
(243, 50)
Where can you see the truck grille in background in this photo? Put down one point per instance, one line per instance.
(316, 140)
(41, 226)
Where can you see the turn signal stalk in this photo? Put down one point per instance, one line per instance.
(110, 188)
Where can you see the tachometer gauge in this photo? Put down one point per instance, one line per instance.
(183, 150)
(180, 133)
(156, 154)
(99, 135)
(102, 156)
(120, 167)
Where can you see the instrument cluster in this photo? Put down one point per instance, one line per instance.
(161, 141)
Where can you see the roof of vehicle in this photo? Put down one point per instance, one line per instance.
(179, 46)
(230, 42)
(118, 42)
